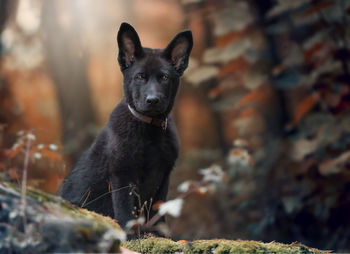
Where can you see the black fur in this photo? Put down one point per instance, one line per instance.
(128, 150)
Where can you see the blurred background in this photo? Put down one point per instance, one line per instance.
(266, 96)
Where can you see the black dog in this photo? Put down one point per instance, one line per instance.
(139, 144)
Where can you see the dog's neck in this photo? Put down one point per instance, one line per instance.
(150, 120)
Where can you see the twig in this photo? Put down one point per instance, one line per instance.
(104, 194)
(24, 182)
(86, 198)
(140, 212)
(87, 192)
(148, 208)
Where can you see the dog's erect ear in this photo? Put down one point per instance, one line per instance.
(179, 49)
(129, 45)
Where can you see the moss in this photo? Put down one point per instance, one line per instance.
(154, 245)
(51, 201)
(86, 225)
(36, 194)
(217, 246)
(201, 246)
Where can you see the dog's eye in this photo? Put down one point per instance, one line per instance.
(165, 77)
(140, 76)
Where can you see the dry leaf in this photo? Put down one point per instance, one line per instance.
(253, 79)
(228, 38)
(238, 65)
(234, 17)
(157, 205)
(315, 39)
(171, 207)
(316, 7)
(201, 74)
(240, 156)
(284, 6)
(228, 53)
(334, 166)
(259, 95)
(303, 147)
(304, 107)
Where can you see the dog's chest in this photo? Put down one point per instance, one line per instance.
(154, 155)
(152, 160)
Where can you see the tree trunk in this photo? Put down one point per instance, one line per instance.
(66, 60)
(8, 8)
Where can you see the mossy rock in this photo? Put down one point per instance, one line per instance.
(56, 226)
(217, 246)
(52, 225)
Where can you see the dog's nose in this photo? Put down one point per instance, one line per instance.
(152, 100)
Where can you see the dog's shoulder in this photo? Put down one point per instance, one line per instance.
(119, 118)
(119, 114)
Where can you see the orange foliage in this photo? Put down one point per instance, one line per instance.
(228, 38)
(215, 92)
(259, 95)
(37, 104)
(238, 65)
(224, 87)
(319, 49)
(194, 115)
(200, 191)
(304, 107)
(248, 112)
(14, 174)
(51, 182)
(105, 84)
(11, 153)
(278, 69)
(308, 54)
(157, 205)
(52, 156)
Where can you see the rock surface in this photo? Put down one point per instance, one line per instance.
(52, 225)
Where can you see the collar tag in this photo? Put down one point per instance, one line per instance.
(165, 124)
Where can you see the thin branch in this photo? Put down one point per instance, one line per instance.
(85, 193)
(87, 196)
(139, 213)
(24, 182)
(104, 194)
(148, 208)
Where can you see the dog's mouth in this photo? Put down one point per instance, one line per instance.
(156, 111)
(151, 111)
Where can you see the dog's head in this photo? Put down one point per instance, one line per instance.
(151, 76)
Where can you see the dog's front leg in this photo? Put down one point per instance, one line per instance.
(161, 194)
(123, 202)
